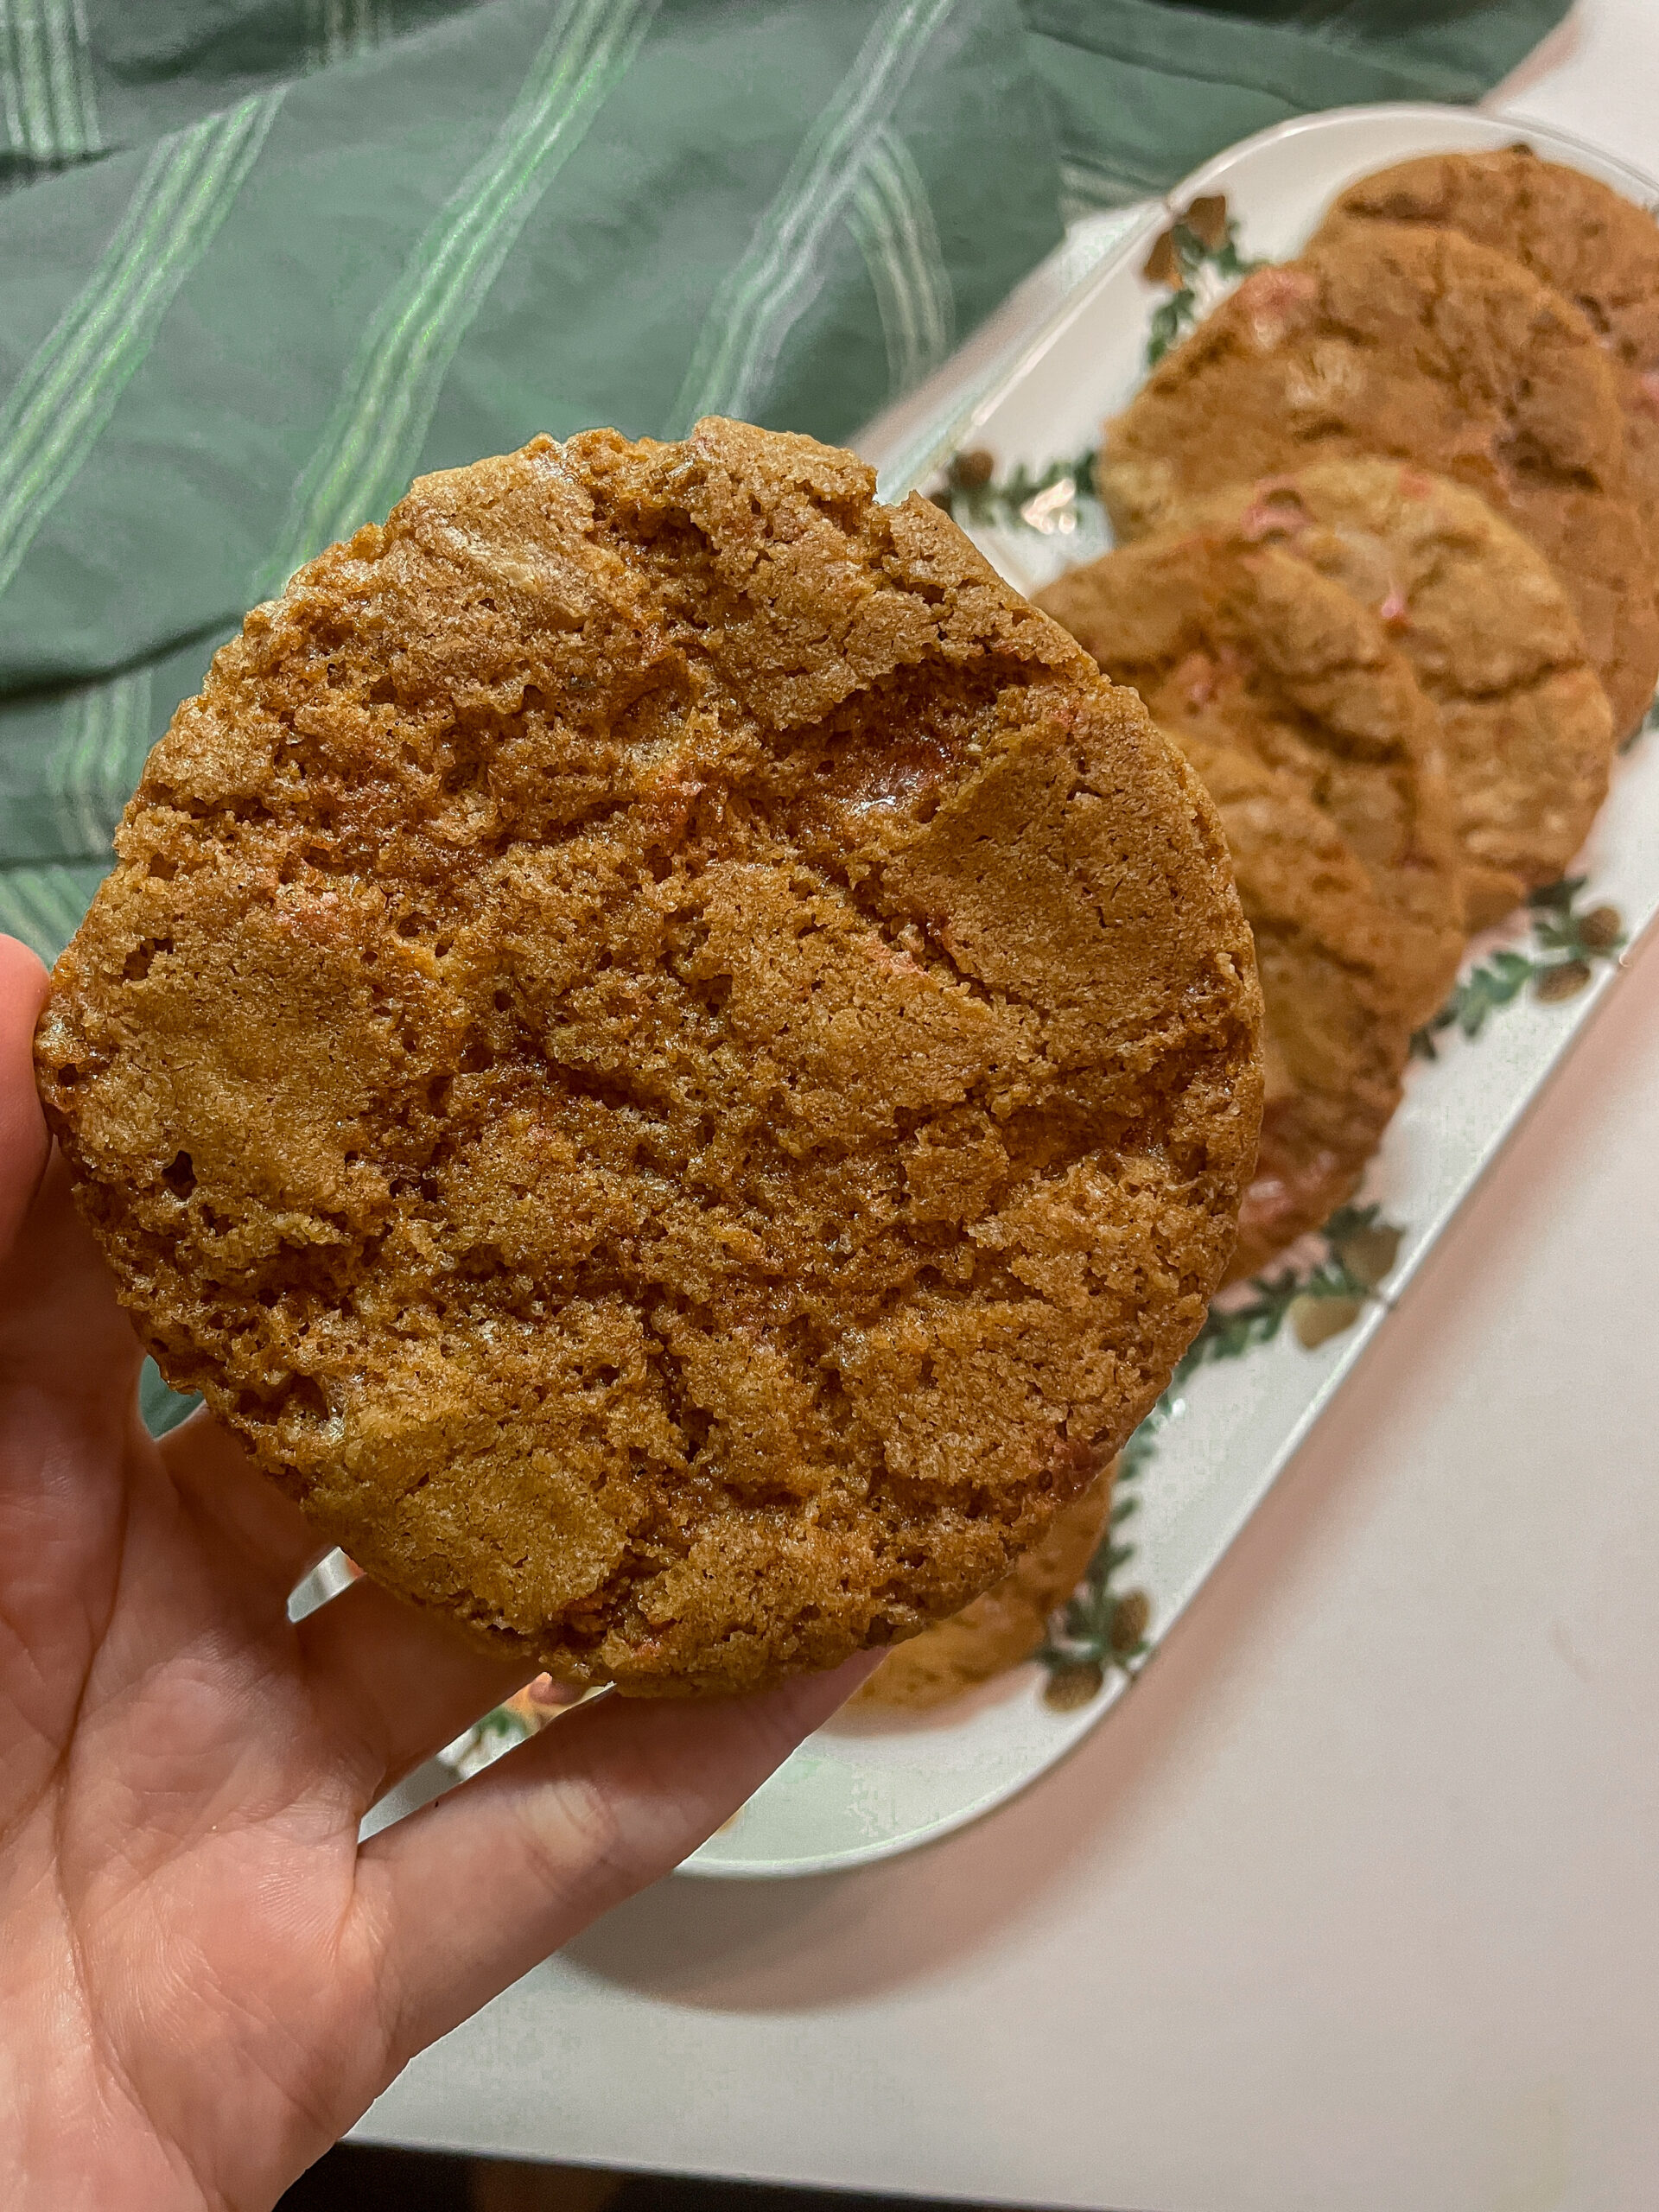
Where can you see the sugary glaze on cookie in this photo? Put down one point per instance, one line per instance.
(668, 1053)
(1247, 647)
(1401, 340)
(1526, 734)
(1004, 1625)
(1574, 233)
(1335, 1043)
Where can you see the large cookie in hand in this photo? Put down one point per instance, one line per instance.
(668, 1053)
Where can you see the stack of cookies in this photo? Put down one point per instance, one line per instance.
(1005, 1625)
(1385, 575)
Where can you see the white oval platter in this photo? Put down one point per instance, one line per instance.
(862, 1789)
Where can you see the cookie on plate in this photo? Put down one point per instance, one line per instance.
(1573, 233)
(1336, 1040)
(1527, 732)
(668, 1053)
(1250, 649)
(1395, 339)
(1002, 1626)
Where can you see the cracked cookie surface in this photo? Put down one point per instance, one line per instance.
(1573, 233)
(1415, 342)
(667, 1053)
(1527, 733)
(1247, 648)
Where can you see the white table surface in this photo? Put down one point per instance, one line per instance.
(1353, 1904)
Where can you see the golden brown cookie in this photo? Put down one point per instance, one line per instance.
(1395, 339)
(1527, 732)
(1574, 233)
(1336, 1042)
(1250, 649)
(1004, 1625)
(668, 1053)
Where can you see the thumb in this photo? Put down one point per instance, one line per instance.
(24, 1142)
(611, 1798)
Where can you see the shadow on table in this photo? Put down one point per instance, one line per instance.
(801, 1944)
(789, 1946)
(355, 2178)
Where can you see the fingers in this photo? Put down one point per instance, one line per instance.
(606, 1800)
(23, 1138)
(398, 1683)
(62, 1336)
(68, 1367)
(244, 1508)
(65, 1344)
(69, 1360)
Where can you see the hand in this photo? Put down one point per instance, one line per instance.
(204, 1980)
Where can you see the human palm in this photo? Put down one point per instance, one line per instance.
(204, 1978)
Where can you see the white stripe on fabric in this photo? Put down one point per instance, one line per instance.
(55, 413)
(91, 133)
(46, 82)
(27, 98)
(72, 76)
(1086, 188)
(779, 273)
(892, 218)
(342, 29)
(373, 439)
(103, 737)
(10, 87)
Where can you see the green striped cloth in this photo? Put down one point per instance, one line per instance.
(1181, 83)
(263, 260)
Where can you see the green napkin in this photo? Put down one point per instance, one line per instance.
(1144, 93)
(261, 261)
(371, 239)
